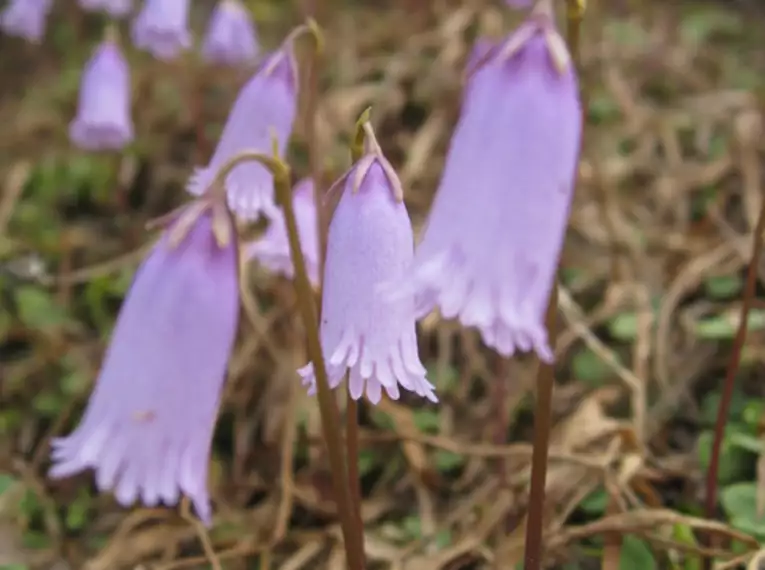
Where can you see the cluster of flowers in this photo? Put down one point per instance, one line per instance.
(487, 257)
(161, 26)
(103, 120)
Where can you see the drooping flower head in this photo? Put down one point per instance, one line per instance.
(272, 249)
(266, 107)
(115, 8)
(25, 18)
(370, 242)
(103, 112)
(148, 426)
(162, 28)
(230, 37)
(490, 248)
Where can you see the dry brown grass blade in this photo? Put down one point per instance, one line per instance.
(639, 521)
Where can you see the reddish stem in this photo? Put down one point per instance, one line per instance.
(730, 374)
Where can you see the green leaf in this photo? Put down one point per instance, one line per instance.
(447, 460)
(446, 380)
(411, 527)
(740, 504)
(747, 441)
(636, 555)
(6, 482)
(624, 327)
(752, 413)
(367, 461)
(724, 326)
(711, 404)
(47, 404)
(595, 503)
(74, 384)
(603, 108)
(36, 540)
(723, 286)
(443, 539)
(427, 420)
(569, 275)
(698, 26)
(589, 367)
(78, 511)
(733, 461)
(683, 534)
(37, 309)
(382, 420)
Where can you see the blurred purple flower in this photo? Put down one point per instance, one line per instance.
(272, 249)
(148, 426)
(103, 114)
(370, 242)
(518, 4)
(480, 50)
(161, 28)
(25, 18)
(115, 8)
(490, 248)
(230, 38)
(266, 106)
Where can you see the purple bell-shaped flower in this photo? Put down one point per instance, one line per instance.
(148, 426)
(266, 107)
(490, 247)
(103, 112)
(25, 18)
(162, 28)
(370, 242)
(230, 37)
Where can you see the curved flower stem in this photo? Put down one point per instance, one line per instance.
(730, 374)
(329, 418)
(546, 375)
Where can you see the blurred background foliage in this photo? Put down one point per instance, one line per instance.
(670, 186)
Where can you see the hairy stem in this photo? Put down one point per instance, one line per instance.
(730, 374)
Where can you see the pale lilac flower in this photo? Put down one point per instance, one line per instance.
(230, 37)
(370, 242)
(103, 113)
(266, 107)
(148, 426)
(25, 18)
(518, 4)
(272, 249)
(161, 28)
(115, 8)
(491, 244)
